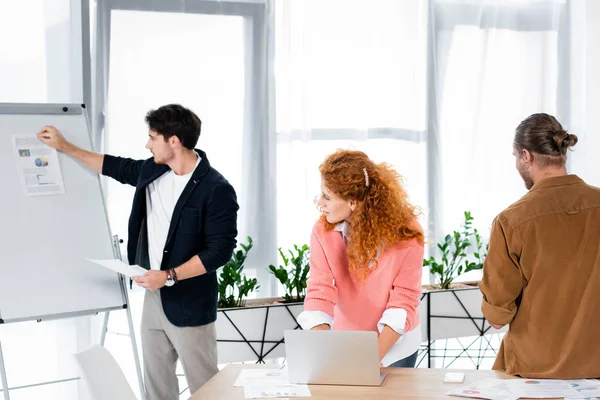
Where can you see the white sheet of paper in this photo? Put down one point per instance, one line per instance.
(588, 388)
(120, 267)
(38, 166)
(586, 394)
(491, 388)
(590, 393)
(262, 377)
(259, 392)
(542, 388)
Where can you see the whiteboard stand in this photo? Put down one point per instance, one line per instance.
(131, 335)
(3, 375)
(136, 357)
(75, 203)
(117, 254)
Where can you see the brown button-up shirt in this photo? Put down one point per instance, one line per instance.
(542, 276)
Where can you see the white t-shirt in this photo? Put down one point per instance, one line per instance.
(161, 197)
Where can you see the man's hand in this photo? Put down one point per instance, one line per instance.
(152, 280)
(321, 327)
(495, 326)
(53, 138)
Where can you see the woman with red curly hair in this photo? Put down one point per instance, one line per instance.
(366, 257)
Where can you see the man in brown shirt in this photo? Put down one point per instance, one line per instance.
(542, 272)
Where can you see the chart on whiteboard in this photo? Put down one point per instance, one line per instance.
(38, 167)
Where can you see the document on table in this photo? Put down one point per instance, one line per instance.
(543, 388)
(269, 383)
(289, 390)
(263, 377)
(120, 267)
(491, 388)
(588, 388)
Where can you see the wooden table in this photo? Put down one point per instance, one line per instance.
(400, 383)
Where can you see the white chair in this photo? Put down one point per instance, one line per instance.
(102, 375)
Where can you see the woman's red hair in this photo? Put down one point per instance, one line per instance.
(382, 217)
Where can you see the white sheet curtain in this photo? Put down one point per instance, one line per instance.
(348, 75)
(435, 88)
(494, 63)
(40, 62)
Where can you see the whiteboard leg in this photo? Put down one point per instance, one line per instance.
(3, 376)
(136, 356)
(104, 328)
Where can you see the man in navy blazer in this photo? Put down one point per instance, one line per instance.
(182, 227)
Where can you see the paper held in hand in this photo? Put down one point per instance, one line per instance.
(120, 267)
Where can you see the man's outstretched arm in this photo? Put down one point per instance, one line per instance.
(53, 138)
(124, 170)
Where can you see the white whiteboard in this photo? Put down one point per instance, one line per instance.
(45, 240)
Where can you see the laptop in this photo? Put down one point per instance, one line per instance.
(333, 358)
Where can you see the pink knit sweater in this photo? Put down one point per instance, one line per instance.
(394, 283)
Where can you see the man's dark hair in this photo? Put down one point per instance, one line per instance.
(543, 135)
(175, 120)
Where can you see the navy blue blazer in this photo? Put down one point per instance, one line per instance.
(204, 222)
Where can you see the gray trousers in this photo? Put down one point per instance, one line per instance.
(164, 343)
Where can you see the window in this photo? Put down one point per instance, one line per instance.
(496, 65)
(196, 59)
(348, 75)
(38, 61)
(160, 58)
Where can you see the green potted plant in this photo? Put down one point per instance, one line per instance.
(461, 252)
(234, 285)
(449, 310)
(293, 274)
(253, 330)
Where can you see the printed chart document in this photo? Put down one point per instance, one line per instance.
(38, 167)
(491, 388)
(511, 389)
(543, 388)
(289, 390)
(588, 388)
(269, 383)
(263, 377)
(120, 267)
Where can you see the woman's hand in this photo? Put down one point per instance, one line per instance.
(387, 339)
